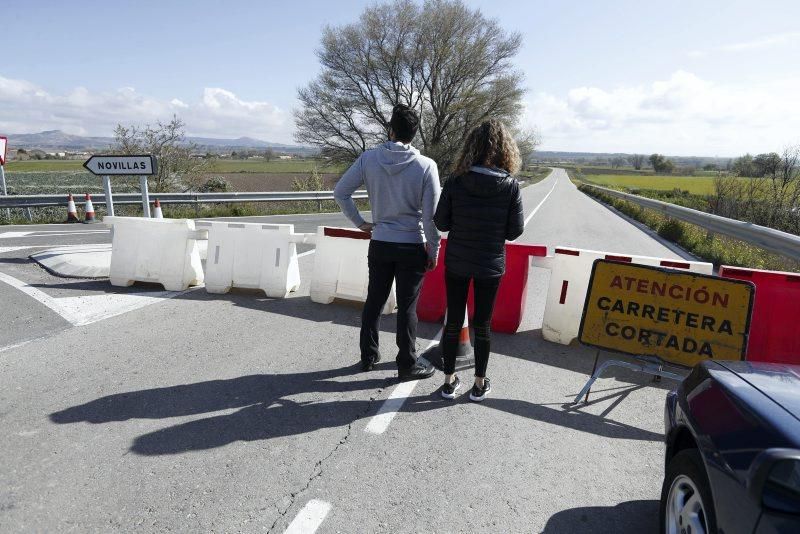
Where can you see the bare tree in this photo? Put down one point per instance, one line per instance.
(448, 61)
(637, 160)
(269, 155)
(527, 140)
(176, 168)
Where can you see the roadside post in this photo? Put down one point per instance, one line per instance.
(143, 165)
(663, 316)
(3, 149)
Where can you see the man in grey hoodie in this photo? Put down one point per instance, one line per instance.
(403, 188)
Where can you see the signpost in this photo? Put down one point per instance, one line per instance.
(3, 152)
(140, 165)
(661, 315)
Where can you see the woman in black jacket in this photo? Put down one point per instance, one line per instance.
(481, 207)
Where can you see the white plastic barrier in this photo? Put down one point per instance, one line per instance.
(340, 267)
(570, 270)
(253, 256)
(164, 251)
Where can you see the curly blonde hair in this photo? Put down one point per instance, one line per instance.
(489, 144)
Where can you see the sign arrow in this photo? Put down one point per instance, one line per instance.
(141, 165)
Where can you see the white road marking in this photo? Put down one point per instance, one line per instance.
(87, 309)
(381, 421)
(307, 253)
(309, 518)
(16, 345)
(58, 234)
(13, 235)
(528, 219)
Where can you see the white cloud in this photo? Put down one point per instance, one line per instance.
(761, 43)
(769, 41)
(26, 107)
(683, 115)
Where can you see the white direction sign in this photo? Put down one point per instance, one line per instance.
(144, 165)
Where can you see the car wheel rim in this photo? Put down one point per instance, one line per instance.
(686, 513)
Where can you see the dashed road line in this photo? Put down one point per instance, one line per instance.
(308, 520)
(307, 253)
(381, 421)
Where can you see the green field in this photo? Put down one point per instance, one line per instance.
(696, 185)
(220, 165)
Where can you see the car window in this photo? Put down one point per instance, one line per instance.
(782, 489)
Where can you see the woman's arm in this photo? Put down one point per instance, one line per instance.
(443, 216)
(515, 223)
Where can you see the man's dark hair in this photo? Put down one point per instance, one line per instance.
(404, 123)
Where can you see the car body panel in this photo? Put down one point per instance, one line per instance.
(732, 419)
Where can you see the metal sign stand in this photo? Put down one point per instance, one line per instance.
(645, 364)
(109, 198)
(3, 186)
(145, 196)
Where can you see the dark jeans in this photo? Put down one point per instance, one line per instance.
(485, 290)
(403, 263)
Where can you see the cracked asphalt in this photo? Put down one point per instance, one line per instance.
(230, 413)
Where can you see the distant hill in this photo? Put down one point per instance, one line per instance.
(58, 140)
(604, 158)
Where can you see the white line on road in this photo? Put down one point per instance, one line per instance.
(381, 421)
(307, 253)
(309, 518)
(13, 235)
(528, 219)
(54, 234)
(41, 296)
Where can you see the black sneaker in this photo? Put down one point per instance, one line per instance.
(478, 394)
(449, 390)
(416, 372)
(369, 364)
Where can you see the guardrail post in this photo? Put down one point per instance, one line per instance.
(196, 206)
(28, 214)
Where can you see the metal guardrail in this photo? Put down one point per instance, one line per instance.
(782, 243)
(40, 201)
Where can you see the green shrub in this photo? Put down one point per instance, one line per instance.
(671, 230)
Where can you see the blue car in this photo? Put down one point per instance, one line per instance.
(733, 450)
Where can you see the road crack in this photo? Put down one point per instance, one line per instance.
(319, 466)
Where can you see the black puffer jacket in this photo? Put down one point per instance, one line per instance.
(481, 211)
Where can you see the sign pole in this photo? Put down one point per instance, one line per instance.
(145, 196)
(109, 199)
(3, 186)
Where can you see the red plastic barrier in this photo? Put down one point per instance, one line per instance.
(776, 314)
(511, 295)
(432, 301)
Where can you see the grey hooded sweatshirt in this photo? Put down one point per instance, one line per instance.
(403, 188)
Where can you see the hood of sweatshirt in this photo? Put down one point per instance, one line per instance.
(394, 157)
(485, 181)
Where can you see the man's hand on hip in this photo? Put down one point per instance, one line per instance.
(366, 227)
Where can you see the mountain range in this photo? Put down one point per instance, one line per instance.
(56, 139)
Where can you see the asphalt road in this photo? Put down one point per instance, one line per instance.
(229, 413)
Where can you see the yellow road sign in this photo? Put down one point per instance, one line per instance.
(680, 317)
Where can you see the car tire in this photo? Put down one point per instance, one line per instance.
(686, 468)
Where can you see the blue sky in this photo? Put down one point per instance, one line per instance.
(680, 77)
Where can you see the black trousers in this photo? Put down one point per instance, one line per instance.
(485, 290)
(404, 264)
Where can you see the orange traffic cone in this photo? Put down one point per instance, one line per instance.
(89, 209)
(465, 353)
(157, 210)
(72, 212)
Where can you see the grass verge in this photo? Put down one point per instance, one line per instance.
(719, 250)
